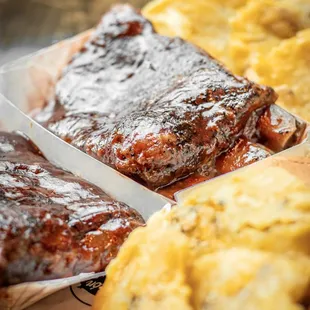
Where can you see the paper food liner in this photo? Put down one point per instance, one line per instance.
(23, 295)
(25, 85)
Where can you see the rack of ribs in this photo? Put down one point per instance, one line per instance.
(157, 109)
(53, 224)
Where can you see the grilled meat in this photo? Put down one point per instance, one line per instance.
(53, 224)
(157, 109)
(279, 129)
(242, 154)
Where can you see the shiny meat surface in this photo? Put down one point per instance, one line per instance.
(155, 108)
(242, 154)
(53, 224)
(279, 130)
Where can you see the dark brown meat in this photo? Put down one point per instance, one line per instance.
(170, 190)
(53, 224)
(279, 129)
(242, 154)
(155, 108)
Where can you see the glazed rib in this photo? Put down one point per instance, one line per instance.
(242, 154)
(279, 129)
(155, 108)
(53, 224)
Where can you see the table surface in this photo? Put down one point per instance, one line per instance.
(28, 25)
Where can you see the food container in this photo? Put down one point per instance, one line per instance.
(25, 85)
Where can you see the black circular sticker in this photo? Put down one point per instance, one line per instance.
(85, 291)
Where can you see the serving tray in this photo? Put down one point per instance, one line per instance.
(25, 85)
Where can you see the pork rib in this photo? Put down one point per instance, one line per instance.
(53, 224)
(155, 108)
